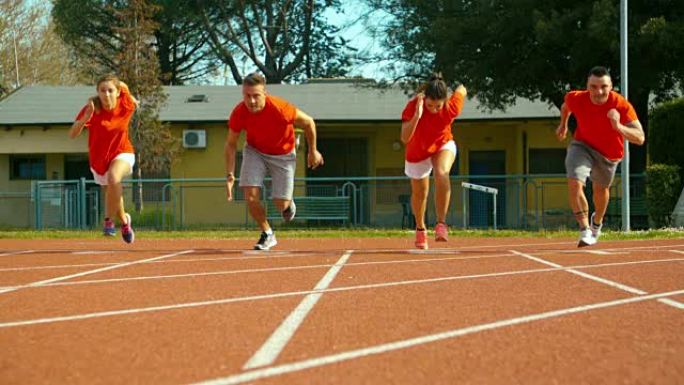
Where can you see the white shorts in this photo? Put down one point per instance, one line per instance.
(422, 169)
(126, 157)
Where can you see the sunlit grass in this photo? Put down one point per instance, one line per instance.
(335, 233)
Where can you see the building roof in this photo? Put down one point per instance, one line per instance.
(333, 101)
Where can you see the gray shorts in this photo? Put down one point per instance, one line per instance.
(281, 168)
(582, 161)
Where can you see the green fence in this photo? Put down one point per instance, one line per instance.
(522, 202)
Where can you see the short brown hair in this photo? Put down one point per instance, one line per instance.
(599, 72)
(254, 79)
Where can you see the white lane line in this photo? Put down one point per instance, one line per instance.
(612, 250)
(620, 286)
(273, 371)
(27, 268)
(275, 344)
(265, 270)
(65, 277)
(89, 252)
(643, 247)
(305, 292)
(313, 254)
(597, 252)
(604, 281)
(672, 303)
(16, 253)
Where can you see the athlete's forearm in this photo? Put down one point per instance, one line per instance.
(126, 93)
(408, 128)
(310, 133)
(305, 122)
(632, 132)
(229, 150)
(77, 128)
(564, 115)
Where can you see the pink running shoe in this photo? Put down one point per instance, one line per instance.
(421, 239)
(109, 228)
(127, 230)
(441, 232)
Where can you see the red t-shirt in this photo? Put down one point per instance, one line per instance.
(593, 125)
(108, 132)
(269, 131)
(433, 130)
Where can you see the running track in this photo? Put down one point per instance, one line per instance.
(353, 311)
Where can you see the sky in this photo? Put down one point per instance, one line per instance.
(352, 19)
(355, 31)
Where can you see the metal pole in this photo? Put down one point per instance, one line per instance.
(494, 200)
(16, 58)
(624, 90)
(465, 223)
(82, 203)
(39, 219)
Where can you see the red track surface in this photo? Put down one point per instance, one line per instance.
(476, 311)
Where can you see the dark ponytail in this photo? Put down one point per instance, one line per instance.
(435, 88)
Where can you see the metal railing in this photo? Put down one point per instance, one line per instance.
(522, 202)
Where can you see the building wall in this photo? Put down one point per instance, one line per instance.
(205, 203)
(40, 140)
(16, 205)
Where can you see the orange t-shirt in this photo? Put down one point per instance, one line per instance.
(593, 125)
(271, 130)
(108, 132)
(433, 130)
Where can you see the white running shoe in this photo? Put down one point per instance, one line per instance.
(586, 238)
(266, 241)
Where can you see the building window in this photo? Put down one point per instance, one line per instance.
(27, 167)
(547, 160)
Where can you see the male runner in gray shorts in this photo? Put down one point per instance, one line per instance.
(604, 120)
(269, 150)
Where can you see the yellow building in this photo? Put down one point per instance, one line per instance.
(358, 135)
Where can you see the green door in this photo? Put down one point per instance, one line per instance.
(482, 163)
(344, 157)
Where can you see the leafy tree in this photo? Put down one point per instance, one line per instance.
(285, 40)
(328, 55)
(180, 41)
(503, 49)
(30, 48)
(667, 138)
(156, 147)
(663, 186)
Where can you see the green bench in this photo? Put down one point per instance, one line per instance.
(337, 208)
(638, 211)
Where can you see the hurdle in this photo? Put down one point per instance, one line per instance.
(476, 187)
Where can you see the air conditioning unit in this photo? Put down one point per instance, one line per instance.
(194, 138)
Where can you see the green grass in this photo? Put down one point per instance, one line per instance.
(335, 233)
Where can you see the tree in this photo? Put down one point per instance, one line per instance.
(667, 137)
(183, 43)
(156, 147)
(30, 51)
(179, 38)
(503, 49)
(285, 40)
